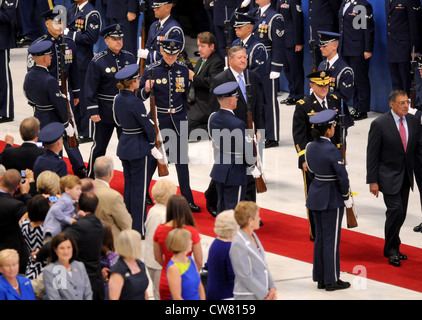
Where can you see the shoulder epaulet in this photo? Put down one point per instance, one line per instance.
(154, 64)
(100, 55)
(301, 101)
(334, 96)
(181, 63)
(127, 52)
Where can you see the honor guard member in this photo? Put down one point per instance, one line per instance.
(356, 48)
(223, 11)
(125, 13)
(7, 40)
(292, 50)
(54, 34)
(166, 27)
(83, 26)
(269, 30)
(320, 99)
(44, 95)
(52, 138)
(403, 39)
(101, 90)
(328, 195)
(256, 51)
(230, 155)
(170, 79)
(136, 144)
(323, 16)
(342, 76)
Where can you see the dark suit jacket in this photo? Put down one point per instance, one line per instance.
(386, 160)
(200, 108)
(11, 211)
(22, 157)
(241, 109)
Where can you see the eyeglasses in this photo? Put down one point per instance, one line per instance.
(403, 103)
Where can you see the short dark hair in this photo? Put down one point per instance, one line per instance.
(59, 238)
(395, 93)
(29, 128)
(207, 37)
(88, 202)
(38, 207)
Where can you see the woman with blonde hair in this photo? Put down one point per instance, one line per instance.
(182, 276)
(253, 280)
(12, 286)
(128, 278)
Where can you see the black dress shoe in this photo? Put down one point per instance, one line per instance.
(401, 256)
(194, 207)
(359, 115)
(212, 211)
(394, 260)
(321, 285)
(25, 41)
(338, 285)
(289, 101)
(418, 228)
(83, 139)
(5, 119)
(81, 173)
(353, 111)
(271, 144)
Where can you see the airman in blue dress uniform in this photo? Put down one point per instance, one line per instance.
(101, 90)
(83, 26)
(7, 40)
(52, 138)
(171, 88)
(166, 27)
(292, 50)
(135, 144)
(231, 159)
(269, 30)
(48, 101)
(327, 197)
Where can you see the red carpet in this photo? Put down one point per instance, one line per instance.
(287, 235)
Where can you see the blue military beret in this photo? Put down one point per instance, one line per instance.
(325, 37)
(40, 48)
(128, 73)
(51, 14)
(228, 89)
(323, 117)
(115, 31)
(241, 19)
(159, 3)
(171, 46)
(51, 133)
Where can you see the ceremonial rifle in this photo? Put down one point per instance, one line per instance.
(142, 37)
(350, 212)
(161, 163)
(71, 140)
(227, 30)
(260, 181)
(414, 66)
(312, 49)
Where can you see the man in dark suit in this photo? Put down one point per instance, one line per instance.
(356, 47)
(11, 211)
(24, 156)
(208, 66)
(394, 144)
(403, 31)
(231, 158)
(238, 66)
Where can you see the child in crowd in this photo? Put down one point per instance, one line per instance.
(63, 212)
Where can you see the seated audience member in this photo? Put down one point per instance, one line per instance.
(220, 272)
(13, 286)
(63, 212)
(74, 283)
(111, 207)
(128, 277)
(161, 191)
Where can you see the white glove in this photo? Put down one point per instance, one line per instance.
(412, 111)
(66, 31)
(69, 130)
(143, 53)
(245, 3)
(274, 75)
(156, 153)
(348, 203)
(255, 172)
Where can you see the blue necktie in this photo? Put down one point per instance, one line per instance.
(242, 86)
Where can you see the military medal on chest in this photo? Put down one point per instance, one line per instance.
(263, 28)
(180, 84)
(79, 23)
